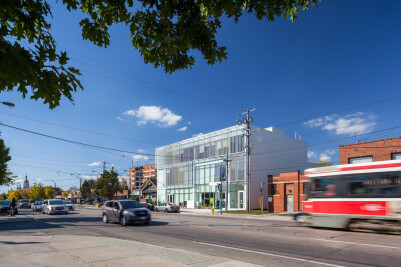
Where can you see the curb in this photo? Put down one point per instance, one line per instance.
(265, 217)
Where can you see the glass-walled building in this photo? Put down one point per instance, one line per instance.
(192, 171)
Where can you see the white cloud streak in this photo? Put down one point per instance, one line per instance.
(198, 134)
(140, 157)
(162, 117)
(352, 124)
(183, 129)
(95, 164)
(311, 154)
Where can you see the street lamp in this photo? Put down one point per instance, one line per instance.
(8, 104)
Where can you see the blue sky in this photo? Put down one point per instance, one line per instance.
(342, 54)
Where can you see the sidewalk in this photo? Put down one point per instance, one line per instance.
(68, 250)
(208, 213)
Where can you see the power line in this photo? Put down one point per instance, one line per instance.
(76, 129)
(341, 110)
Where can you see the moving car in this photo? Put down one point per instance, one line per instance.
(54, 206)
(125, 212)
(5, 207)
(23, 203)
(37, 206)
(148, 206)
(69, 205)
(167, 207)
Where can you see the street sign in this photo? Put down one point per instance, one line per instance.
(219, 187)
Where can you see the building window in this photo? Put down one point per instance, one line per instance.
(360, 160)
(274, 189)
(396, 156)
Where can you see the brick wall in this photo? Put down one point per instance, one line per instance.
(379, 150)
(289, 183)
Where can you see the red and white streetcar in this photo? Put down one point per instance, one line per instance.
(366, 195)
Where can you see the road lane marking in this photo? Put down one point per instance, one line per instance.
(354, 243)
(269, 254)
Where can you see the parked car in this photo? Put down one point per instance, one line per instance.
(69, 205)
(148, 206)
(54, 206)
(5, 207)
(125, 212)
(23, 203)
(167, 207)
(37, 206)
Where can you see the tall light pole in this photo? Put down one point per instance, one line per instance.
(247, 120)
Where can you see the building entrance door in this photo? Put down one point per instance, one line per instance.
(241, 199)
(170, 198)
(290, 203)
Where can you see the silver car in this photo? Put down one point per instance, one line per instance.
(167, 207)
(37, 206)
(69, 205)
(54, 206)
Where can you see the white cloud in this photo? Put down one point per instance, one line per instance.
(189, 123)
(198, 134)
(121, 119)
(19, 181)
(90, 177)
(95, 164)
(352, 124)
(141, 150)
(324, 157)
(140, 157)
(162, 117)
(311, 154)
(38, 180)
(183, 129)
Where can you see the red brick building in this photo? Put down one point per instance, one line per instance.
(139, 175)
(287, 191)
(386, 149)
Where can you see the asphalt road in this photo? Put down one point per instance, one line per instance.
(260, 242)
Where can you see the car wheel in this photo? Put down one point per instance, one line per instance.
(166, 210)
(105, 219)
(146, 223)
(156, 209)
(123, 221)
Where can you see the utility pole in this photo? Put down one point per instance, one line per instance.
(247, 122)
(104, 166)
(227, 161)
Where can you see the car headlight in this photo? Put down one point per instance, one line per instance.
(129, 213)
(52, 208)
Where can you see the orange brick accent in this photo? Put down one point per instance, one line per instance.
(379, 150)
(289, 183)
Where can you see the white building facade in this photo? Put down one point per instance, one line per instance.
(193, 172)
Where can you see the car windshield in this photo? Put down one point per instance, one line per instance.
(130, 204)
(38, 203)
(67, 202)
(24, 200)
(5, 202)
(56, 202)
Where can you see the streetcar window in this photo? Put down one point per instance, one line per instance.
(323, 187)
(390, 184)
(361, 185)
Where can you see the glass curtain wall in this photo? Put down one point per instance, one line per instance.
(192, 169)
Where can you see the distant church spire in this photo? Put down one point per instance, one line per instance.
(26, 182)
